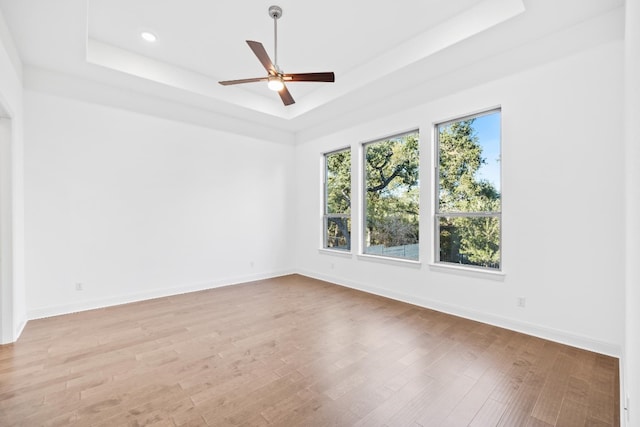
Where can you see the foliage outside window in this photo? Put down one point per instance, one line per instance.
(337, 206)
(391, 182)
(468, 205)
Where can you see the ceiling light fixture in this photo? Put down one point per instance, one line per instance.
(275, 83)
(147, 36)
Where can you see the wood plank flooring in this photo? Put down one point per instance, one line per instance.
(294, 351)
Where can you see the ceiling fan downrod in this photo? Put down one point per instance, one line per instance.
(275, 12)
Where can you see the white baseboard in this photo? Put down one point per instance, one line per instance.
(624, 411)
(42, 312)
(556, 335)
(19, 329)
(16, 332)
(563, 337)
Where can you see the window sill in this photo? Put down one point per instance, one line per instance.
(468, 271)
(335, 252)
(391, 261)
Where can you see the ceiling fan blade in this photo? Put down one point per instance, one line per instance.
(286, 97)
(262, 55)
(236, 82)
(310, 77)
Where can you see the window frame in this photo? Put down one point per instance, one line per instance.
(363, 196)
(474, 214)
(326, 216)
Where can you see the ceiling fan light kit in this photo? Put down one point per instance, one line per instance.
(275, 83)
(276, 78)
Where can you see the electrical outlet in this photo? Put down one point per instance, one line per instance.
(78, 286)
(251, 264)
(332, 266)
(521, 302)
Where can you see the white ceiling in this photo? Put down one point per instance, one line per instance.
(378, 50)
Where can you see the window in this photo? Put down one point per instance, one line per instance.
(468, 206)
(337, 200)
(391, 187)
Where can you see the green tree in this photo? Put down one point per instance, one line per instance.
(338, 199)
(392, 196)
(392, 170)
(339, 182)
(470, 240)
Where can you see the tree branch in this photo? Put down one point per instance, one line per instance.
(346, 196)
(385, 181)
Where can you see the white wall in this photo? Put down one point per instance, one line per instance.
(562, 205)
(134, 206)
(12, 285)
(632, 156)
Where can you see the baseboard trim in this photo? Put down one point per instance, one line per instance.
(15, 333)
(624, 410)
(43, 312)
(19, 329)
(560, 336)
(556, 335)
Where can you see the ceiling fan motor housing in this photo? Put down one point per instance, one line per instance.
(275, 12)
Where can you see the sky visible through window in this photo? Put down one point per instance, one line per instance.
(488, 131)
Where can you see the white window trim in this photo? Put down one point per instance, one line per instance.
(324, 215)
(404, 262)
(335, 252)
(468, 271)
(463, 269)
(362, 255)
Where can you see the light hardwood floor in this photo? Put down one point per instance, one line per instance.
(294, 351)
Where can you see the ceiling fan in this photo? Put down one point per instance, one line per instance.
(276, 78)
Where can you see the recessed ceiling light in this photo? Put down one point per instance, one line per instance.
(147, 36)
